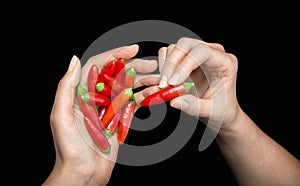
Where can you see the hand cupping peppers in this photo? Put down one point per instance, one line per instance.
(92, 123)
(108, 103)
(166, 94)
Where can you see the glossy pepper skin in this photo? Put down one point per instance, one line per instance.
(112, 126)
(97, 135)
(114, 84)
(101, 112)
(125, 120)
(95, 98)
(120, 71)
(116, 104)
(92, 122)
(92, 78)
(87, 109)
(166, 94)
(109, 70)
(105, 89)
(129, 77)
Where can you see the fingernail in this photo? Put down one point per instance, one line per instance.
(135, 45)
(72, 63)
(174, 79)
(184, 105)
(163, 82)
(180, 104)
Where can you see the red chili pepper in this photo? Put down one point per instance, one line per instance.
(92, 78)
(105, 89)
(167, 94)
(125, 120)
(109, 70)
(87, 109)
(97, 134)
(95, 98)
(92, 123)
(129, 77)
(120, 72)
(101, 111)
(114, 84)
(112, 126)
(116, 104)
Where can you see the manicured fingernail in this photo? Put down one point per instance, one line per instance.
(163, 82)
(72, 63)
(184, 105)
(180, 104)
(174, 79)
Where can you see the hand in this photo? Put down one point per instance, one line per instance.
(213, 72)
(76, 162)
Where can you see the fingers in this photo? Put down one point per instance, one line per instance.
(178, 53)
(146, 80)
(142, 65)
(102, 59)
(193, 105)
(199, 54)
(125, 52)
(163, 53)
(64, 98)
(187, 55)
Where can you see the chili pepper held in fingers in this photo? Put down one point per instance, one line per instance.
(95, 98)
(105, 89)
(92, 78)
(166, 94)
(129, 77)
(114, 84)
(125, 120)
(109, 70)
(116, 104)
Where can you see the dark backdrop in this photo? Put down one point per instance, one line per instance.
(261, 38)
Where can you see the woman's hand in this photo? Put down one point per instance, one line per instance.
(213, 72)
(77, 161)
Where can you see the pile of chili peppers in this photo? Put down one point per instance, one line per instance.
(108, 103)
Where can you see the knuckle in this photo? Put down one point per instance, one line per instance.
(233, 60)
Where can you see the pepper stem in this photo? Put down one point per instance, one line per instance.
(188, 86)
(81, 90)
(129, 92)
(131, 72)
(107, 151)
(100, 86)
(85, 97)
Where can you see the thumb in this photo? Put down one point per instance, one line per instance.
(193, 105)
(65, 94)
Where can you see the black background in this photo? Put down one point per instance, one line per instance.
(41, 42)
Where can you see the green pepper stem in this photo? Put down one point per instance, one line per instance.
(188, 86)
(85, 97)
(131, 72)
(80, 89)
(100, 86)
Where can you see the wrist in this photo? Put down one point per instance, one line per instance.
(64, 175)
(234, 126)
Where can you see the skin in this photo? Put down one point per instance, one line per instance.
(253, 156)
(76, 162)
